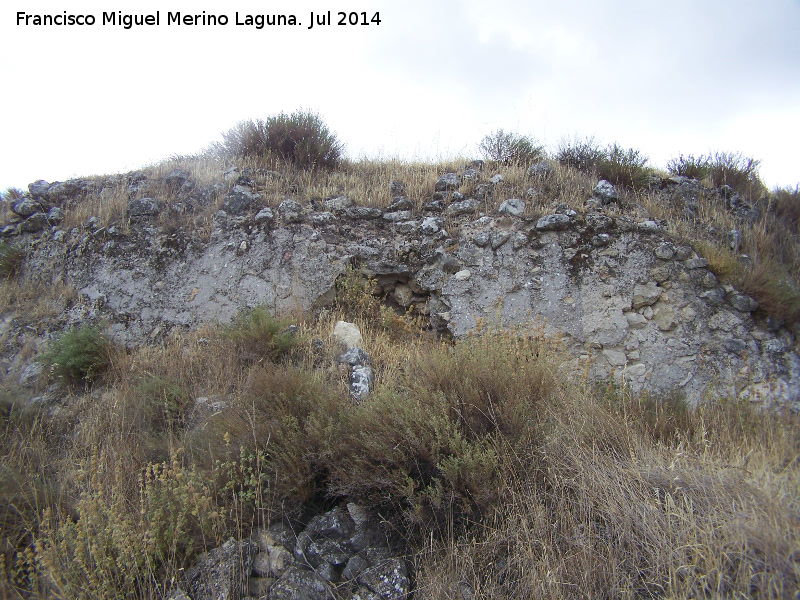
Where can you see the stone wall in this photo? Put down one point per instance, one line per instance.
(628, 302)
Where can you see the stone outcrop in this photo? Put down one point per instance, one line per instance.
(625, 298)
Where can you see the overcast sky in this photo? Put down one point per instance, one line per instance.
(430, 81)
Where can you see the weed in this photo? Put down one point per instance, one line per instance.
(722, 168)
(110, 551)
(787, 207)
(777, 292)
(690, 166)
(257, 335)
(11, 260)
(511, 148)
(12, 194)
(721, 261)
(584, 155)
(164, 398)
(620, 166)
(79, 354)
(623, 167)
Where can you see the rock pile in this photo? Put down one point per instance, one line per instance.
(345, 550)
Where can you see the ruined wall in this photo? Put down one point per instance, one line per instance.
(628, 302)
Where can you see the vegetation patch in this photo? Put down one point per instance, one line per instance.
(79, 355)
(11, 260)
(301, 138)
(257, 335)
(722, 168)
(511, 148)
(618, 165)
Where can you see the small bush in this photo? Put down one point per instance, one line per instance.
(164, 400)
(257, 335)
(614, 163)
(107, 550)
(775, 290)
(690, 166)
(623, 167)
(406, 453)
(80, 354)
(787, 207)
(583, 155)
(284, 416)
(13, 193)
(722, 168)
(737, 171)
(11, 260)
(301, 138)
(511, 148)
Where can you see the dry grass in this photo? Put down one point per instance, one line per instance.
(602, 509)
(533, 487)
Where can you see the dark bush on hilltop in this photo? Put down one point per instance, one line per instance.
(620, 166)
(511, 148)
(301, 138)
(722, 168)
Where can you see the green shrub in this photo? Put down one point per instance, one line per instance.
(284, 416)
(511, 148)
(406, 453)
(301, 138)
(79, 354)
(431, 446)
(11, 260)
(257, 335)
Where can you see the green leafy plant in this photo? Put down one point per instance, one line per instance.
(301, 138)
(79, 354)
(511, 148)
